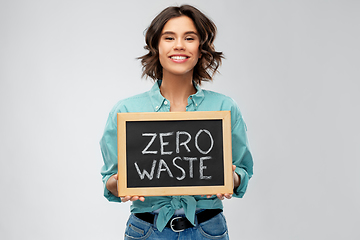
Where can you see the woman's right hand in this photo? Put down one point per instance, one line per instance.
(132, 198)
(111, 185)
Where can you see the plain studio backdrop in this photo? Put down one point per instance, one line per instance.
(292, 66)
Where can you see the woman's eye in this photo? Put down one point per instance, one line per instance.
(189, 38)
(169, 38)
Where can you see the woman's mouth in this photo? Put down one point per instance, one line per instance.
(179, 58)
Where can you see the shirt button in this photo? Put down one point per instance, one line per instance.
(165, 102)
(157, 107)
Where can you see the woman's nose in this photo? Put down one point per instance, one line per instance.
(179, 45)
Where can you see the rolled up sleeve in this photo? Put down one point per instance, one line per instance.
(241, 154)
(108, 145)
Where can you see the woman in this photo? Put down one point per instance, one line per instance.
(181, 55)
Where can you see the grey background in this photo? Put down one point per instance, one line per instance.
(292, 66)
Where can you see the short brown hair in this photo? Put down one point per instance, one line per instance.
(210, 59)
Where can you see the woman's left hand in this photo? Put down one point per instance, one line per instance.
(236, 179)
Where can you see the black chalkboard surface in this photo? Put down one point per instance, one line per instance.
(174, 153)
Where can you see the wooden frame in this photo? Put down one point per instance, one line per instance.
(224, 116)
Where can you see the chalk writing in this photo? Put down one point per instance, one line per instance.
(175, 153)
(163, 166)
(178, 143)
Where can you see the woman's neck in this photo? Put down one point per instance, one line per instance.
(177, 89)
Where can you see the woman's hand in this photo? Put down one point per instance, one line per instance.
(237, 181)
(236, 177)
(111, 185)
(132, 198)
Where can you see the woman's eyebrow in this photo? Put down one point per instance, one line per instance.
(168, 32)
(173, 33)
(191, 32)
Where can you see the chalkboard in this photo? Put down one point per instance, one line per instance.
(174, 153)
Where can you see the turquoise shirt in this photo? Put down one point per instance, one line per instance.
(153, 101)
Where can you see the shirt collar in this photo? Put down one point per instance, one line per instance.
(157, 100)
(198, 97)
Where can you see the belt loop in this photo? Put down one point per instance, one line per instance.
(196, 219)
(155, 218)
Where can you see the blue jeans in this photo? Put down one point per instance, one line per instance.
(214, 228)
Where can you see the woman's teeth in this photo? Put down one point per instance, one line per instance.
(178, 57)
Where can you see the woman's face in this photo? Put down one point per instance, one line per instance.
(179, 47)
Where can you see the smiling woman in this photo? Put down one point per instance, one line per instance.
(181, 55)
(205, 30)
(179, 48)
